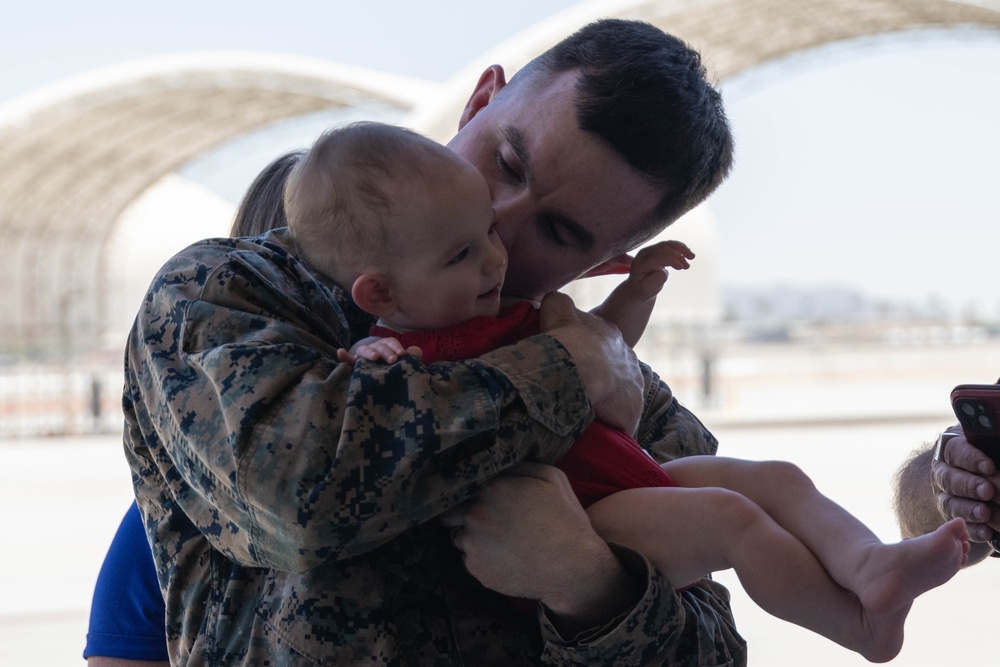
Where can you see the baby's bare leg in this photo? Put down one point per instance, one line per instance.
(690, 532)
(885, 577)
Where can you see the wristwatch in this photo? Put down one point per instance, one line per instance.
(942, 440)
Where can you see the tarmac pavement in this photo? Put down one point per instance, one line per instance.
(61, 500)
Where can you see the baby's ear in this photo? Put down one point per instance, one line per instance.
(372, 294)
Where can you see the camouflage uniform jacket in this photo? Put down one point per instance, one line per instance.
(289, 498)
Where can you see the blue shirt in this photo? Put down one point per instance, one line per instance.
(127, 613)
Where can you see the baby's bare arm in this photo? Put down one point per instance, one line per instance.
(631, 303)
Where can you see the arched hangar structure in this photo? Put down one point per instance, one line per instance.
(72, 158)
(75, 154)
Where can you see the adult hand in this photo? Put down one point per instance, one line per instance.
(609, 367)
(967, 482)
(526, 535)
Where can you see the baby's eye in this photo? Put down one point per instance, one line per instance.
(459, 257)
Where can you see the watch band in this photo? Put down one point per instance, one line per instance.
(942, 440)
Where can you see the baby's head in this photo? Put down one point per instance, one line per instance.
(399, 220)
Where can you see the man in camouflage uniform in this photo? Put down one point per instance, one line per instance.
(292, 501)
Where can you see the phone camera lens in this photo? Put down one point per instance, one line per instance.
(968, 409)
(986, 422)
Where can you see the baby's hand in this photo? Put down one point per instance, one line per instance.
(648, 272)
(377, 349)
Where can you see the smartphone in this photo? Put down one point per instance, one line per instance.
(977, 407)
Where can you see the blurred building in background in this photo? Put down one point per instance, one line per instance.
(96, 191)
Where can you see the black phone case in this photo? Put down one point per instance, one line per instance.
(977, 407)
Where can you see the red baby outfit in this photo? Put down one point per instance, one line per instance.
(602, 461)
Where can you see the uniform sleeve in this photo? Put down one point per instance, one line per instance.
(690, 628)
(284, 457)
(667, 429)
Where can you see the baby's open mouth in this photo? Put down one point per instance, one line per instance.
(491, 294)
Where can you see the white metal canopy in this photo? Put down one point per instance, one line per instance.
(74, 155)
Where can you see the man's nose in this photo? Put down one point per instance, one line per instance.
(512, 210)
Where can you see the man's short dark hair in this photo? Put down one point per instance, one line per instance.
(646, 93)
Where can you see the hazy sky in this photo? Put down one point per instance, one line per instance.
(872, 163)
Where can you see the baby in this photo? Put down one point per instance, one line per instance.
(408, 228)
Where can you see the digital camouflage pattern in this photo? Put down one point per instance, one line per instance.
(288, 497)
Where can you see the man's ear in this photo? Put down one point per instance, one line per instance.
(372, 294)
(489, 84)
(616, 265)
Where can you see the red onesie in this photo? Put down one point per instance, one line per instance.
(602, 461)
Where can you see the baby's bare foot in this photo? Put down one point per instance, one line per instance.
(894, 574)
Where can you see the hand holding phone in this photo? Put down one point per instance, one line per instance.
(977, 407)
